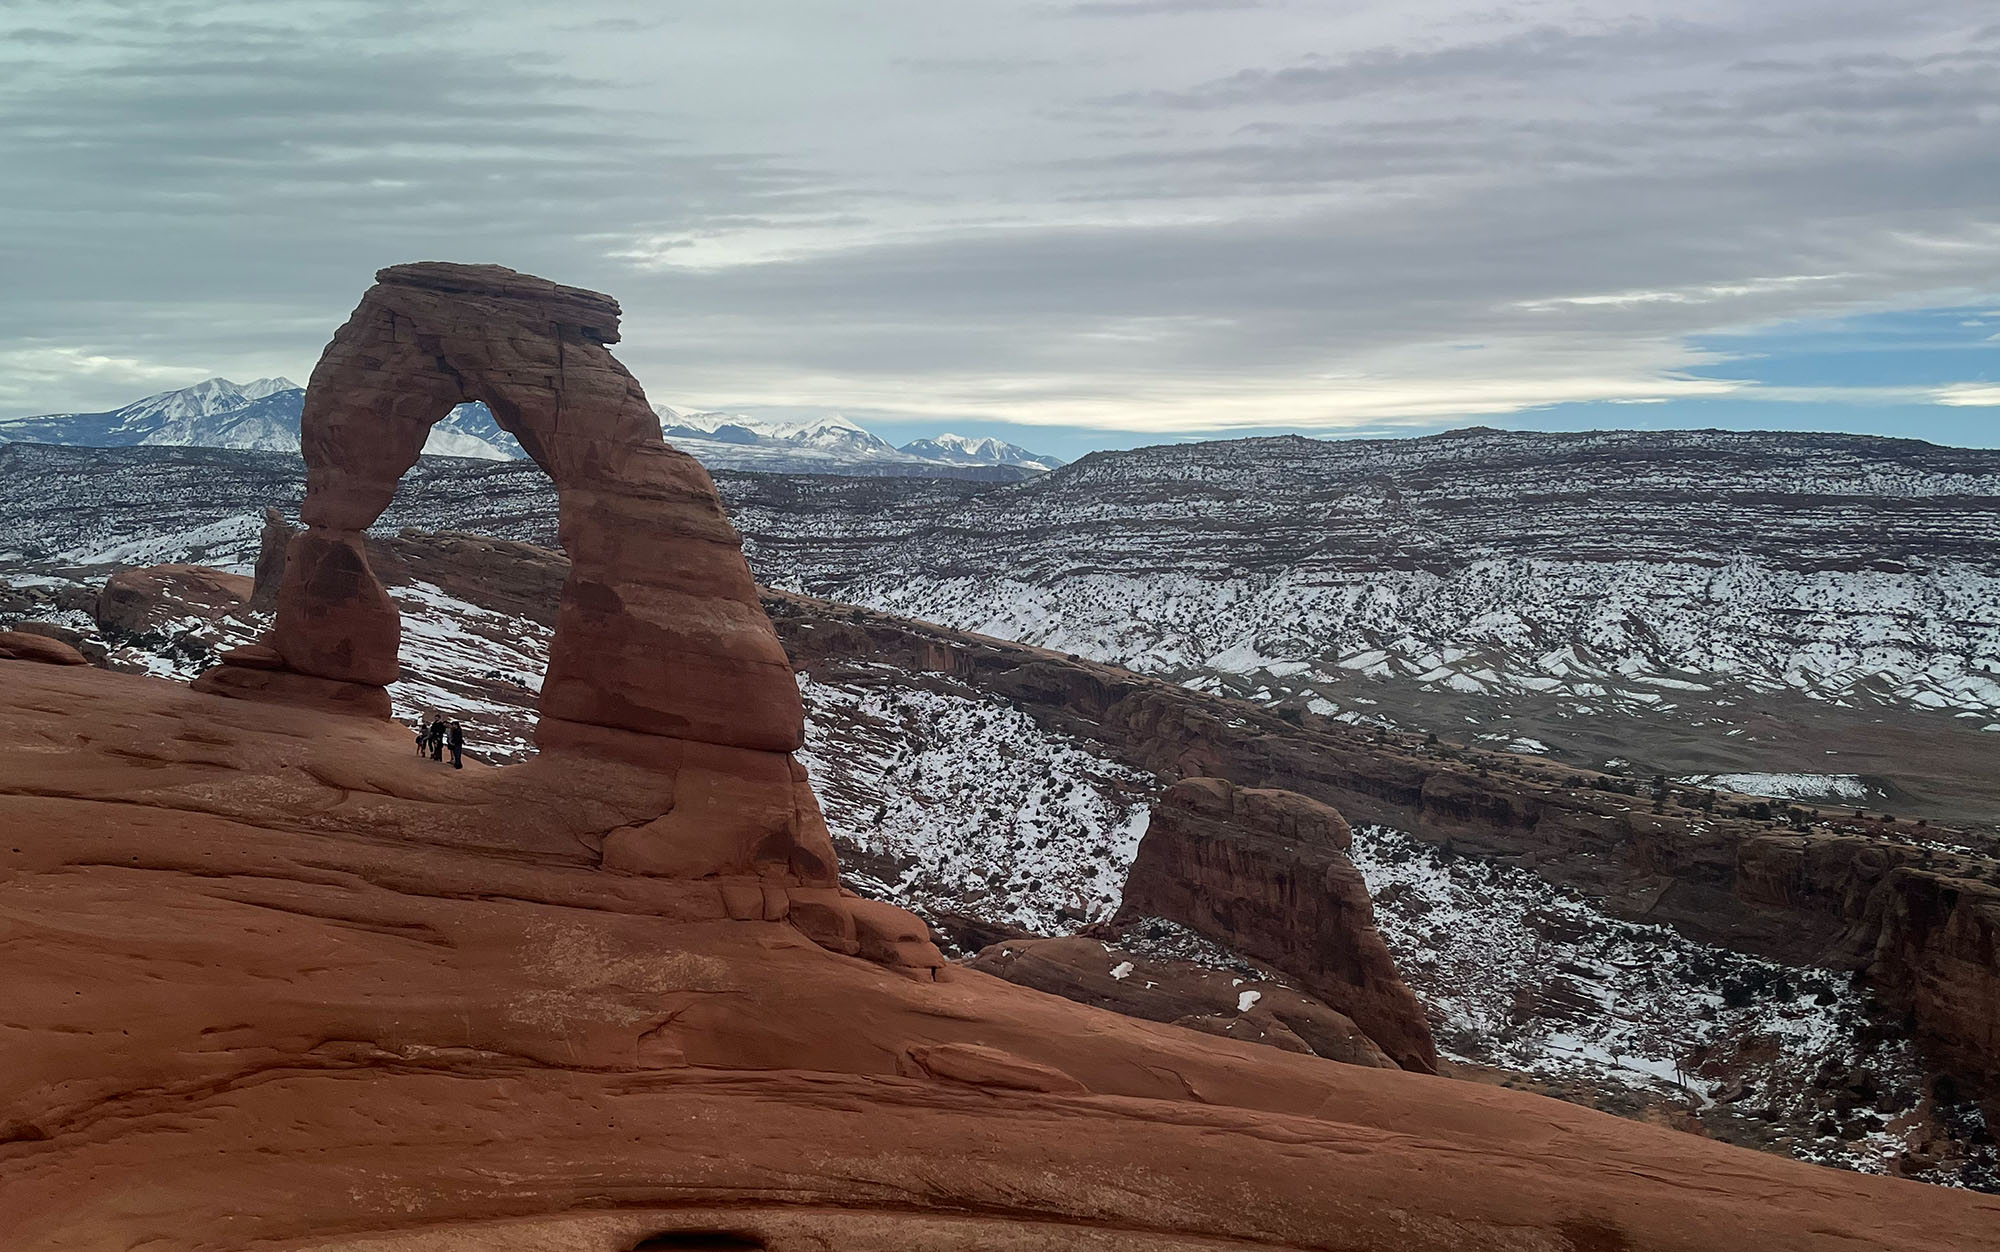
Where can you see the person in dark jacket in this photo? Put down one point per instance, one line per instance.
(423, 737)
(437, 740)
(457, 742)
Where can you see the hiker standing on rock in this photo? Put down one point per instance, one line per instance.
(437, 739)
(457, 742)
(423, 736)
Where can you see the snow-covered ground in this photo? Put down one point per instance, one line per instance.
(960, 801)
(1849, 787)
(978, 807)
(1518, 974)
(460, 660)
(1620, 571)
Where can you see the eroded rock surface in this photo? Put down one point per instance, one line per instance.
(275, 543)
(1256, 1010)
(1266, 873)
(273, 981)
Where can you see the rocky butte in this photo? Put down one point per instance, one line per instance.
(273, 982)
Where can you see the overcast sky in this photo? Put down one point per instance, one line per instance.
(1115, 221)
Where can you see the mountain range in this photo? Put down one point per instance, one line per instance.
(837, 445)
(263, 416)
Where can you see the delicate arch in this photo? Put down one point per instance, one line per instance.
(660, 629)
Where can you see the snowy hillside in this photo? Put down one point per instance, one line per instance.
(1611, 571)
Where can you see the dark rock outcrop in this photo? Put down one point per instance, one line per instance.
(17, 645)
(269, 576)
(138, 600)
(1266, 873)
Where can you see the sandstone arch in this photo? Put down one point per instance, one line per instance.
(660, 631)
(662, 659)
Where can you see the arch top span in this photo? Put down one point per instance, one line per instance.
(660, 631)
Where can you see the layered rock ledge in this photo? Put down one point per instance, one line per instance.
(274, 981)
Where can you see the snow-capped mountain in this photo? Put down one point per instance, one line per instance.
(259, 416)
(965, 450)
(835, 444)
(263, 416)
(832, 438)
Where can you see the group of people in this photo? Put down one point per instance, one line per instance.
(434, 736)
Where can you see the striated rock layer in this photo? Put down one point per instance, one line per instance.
(272, 981)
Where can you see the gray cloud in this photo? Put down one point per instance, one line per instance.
(1155, 8)
(1198, 212)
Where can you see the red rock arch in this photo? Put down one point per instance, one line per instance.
(660, 630)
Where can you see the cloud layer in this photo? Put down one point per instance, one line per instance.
(1141, 215)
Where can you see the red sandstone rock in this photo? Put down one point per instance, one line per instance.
(255, 677)
(1266, 873)
(273, 982)
(254, 656)
(662, 657)
(144, 599)
(17, 645)
(334, 619)
(660, 631)
(978, 1066)
(1208, 1000)
(733, 810)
